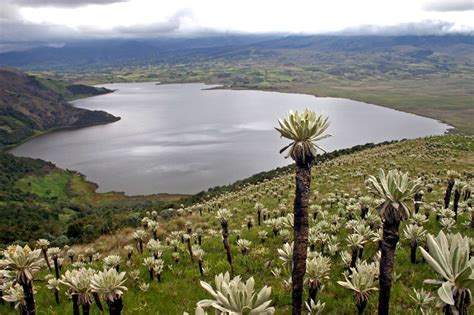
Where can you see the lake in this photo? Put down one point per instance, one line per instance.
(183, 138)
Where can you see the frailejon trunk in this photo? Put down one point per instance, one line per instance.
(413, 252)
(418, 198)
(97, 301)
(115, 306)
(75, 304)
(29, 299)
(225, 235)
(86, 309)
(56, 296)
(190, 250)
(45, 255)
(361, 307)
(200, 267)
(447, 196)
(313, 291)
(56, 267)
(301, 226)
(363, 212)
(355, 251)
(457, 196)
(389, 243)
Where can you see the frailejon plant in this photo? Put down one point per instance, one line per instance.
(199, 254)
(303, 130)
(317, 270)
(233, 296)
(415, 235)
(362, 283)
(223, 216)
(43, 244)
(449, 256)
(14, 293)
(54, 252)
(79, 284)
(112, 261)
(423, 300)
(53, 285)
(394, 188)
(315, 308)
(109, 283)
(21, 263)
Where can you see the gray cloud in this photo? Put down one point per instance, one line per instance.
(449, 5)
(63, 3)
(14, 28)
(172, 25)
(428, 27)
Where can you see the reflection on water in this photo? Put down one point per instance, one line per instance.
(181, 138)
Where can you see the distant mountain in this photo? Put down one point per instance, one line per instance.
(303, 49)
(31, 104)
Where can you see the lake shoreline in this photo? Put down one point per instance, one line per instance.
(158, 159)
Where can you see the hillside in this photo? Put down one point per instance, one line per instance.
(30, 105)
(338, 191)
(39, 200)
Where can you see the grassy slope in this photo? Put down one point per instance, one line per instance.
(180, 289)
(39, 200)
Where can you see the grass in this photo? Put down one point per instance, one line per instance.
(180, 290)
(51, 185)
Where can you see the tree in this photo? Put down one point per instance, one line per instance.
(395, 189)
(303, 130)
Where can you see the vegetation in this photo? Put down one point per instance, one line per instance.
(303, 130)
(31, 105)
(40, 201)
(337, 188)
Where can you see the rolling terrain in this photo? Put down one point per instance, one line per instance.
(337, 188)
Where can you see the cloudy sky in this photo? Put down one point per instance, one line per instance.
(62, 20)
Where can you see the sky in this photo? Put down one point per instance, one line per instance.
(66, 20)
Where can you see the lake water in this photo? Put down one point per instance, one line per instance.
(181, 138)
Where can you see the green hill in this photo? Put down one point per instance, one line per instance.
(30, 105)
(337, 188)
